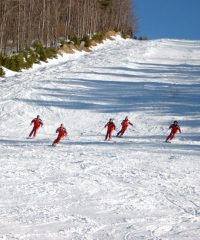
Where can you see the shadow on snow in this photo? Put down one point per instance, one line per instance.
(125, 94)
(137, 144)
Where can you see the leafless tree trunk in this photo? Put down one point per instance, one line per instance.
(24, 21)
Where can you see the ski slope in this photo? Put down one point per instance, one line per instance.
(133, 188)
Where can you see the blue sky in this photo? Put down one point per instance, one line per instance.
(179, 19)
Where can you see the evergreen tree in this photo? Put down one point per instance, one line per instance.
(39, 49)
(19, 62)
(2, 73)
(87, 40)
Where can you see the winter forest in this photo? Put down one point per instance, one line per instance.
(50, 21)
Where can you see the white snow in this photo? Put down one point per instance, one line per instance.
(134, 188)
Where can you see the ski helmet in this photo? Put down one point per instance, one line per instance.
(38, 116)
(176, 122)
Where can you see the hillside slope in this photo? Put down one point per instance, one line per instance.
(135, 187)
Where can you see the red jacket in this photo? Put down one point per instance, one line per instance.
(61, 132)
(37, 122)
(125, 123)
(111, 126)
(174, 128)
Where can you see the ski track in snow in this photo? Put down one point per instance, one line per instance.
(131, 188)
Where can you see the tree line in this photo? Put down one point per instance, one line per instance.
(51, 21)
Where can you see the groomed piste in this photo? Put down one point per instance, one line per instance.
(135, 187)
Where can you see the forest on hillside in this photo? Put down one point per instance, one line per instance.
(49, 21)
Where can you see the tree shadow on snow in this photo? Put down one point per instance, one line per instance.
(144, 146)
(125, 94)
(23, 143)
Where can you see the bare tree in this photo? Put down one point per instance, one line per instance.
(24, 21)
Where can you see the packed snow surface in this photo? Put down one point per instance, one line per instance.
(133, 188)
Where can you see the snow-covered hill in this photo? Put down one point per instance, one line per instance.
(134, 188)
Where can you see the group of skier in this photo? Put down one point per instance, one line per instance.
(37, 123)
(175, 128)
(110, 125)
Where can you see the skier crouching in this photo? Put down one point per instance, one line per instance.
(61, 134)
(125, 123)
(37, 123)
(174, 129)
(110, 128)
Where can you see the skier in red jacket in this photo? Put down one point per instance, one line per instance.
(125, 123)
(62, 132)
(37, 123)
(110, 128)
(174, 129)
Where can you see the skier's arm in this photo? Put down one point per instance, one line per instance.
(131, 123)
(65, 132)
(41, 123)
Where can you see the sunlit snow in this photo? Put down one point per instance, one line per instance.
(133, 188)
